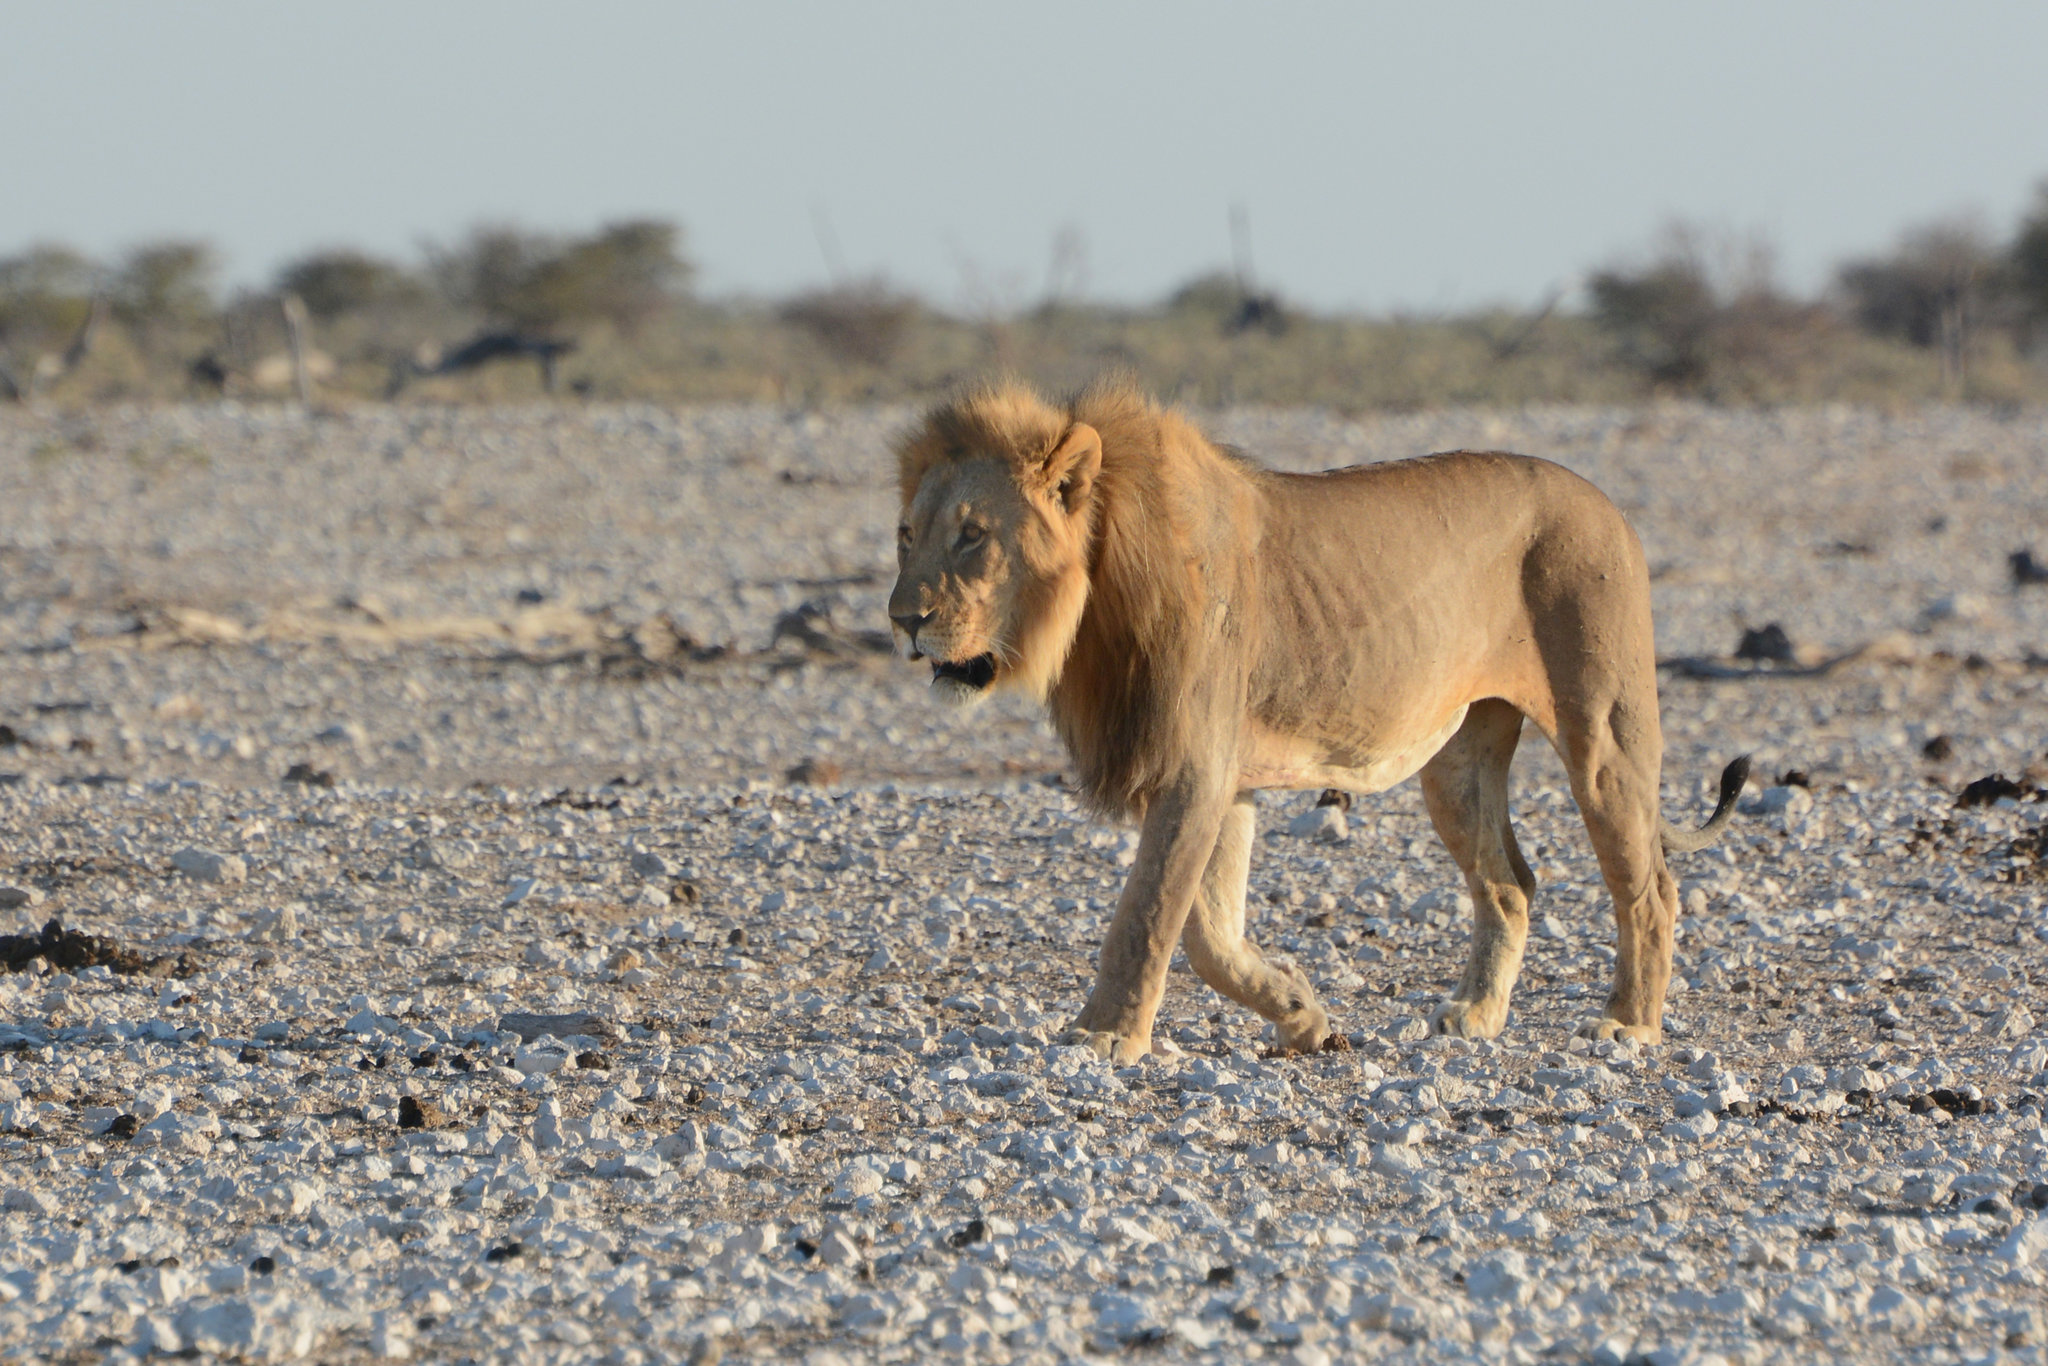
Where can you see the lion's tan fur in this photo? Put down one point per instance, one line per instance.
(1200, 627)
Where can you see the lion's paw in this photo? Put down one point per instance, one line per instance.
(1118, 1048)
(1305, 1031)
(1468, 1019)
(1607, 1027)
(1304, 1027)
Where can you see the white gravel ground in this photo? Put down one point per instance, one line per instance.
(542, 676)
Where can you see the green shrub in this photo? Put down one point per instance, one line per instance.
(334, 283)
(165, 284)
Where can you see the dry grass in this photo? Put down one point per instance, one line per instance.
(696, 352)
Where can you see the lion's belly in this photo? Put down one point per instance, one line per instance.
(1276, 760)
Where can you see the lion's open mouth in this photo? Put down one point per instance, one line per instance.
(976, 673)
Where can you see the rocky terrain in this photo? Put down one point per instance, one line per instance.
(474, 889)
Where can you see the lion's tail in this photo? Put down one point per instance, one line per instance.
(1678, 841)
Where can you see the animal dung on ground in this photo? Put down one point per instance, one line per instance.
(816, 773)
(1989, 789)
(71, 950)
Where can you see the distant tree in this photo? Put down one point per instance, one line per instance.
(1939, 281)
(1941, 286)
(2029, 262)
(1224, 298)
(49, 313)
(165, 284)
(1213, 294)
(45, 293)
(1703, 314)
(333, 283)
(623, 274)
(1662, 315)
(488, 269)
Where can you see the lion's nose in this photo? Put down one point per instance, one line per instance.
(911, 622)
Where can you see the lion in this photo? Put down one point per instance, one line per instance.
(1201, 628)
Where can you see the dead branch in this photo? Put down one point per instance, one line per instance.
(481, 350)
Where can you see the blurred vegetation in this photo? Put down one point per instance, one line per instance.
(1954, 310)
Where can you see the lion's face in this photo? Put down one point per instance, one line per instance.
(992, 570)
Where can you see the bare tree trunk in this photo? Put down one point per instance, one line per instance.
(81, 345)
(1955, 345)
(294, 310)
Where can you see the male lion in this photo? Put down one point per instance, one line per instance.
(1200, 628)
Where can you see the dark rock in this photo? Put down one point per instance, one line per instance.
(1989, 789)
(1940, 749)
(1768, 643)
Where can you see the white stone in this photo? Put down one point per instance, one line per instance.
(2026, 1243)
(180, 1133)
(857, 1179)
(1321, 824)
(207, 865)
(1397, 1159)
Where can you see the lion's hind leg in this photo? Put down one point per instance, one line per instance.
(1466, 789)
(1613, 755)
(1221, 955)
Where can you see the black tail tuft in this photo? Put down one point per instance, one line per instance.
(1734, 778)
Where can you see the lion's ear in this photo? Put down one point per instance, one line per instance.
(1069, 471)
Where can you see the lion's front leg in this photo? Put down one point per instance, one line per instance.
(1223, 957)
(1173, 848)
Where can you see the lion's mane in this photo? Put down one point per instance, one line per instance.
(1170, 573)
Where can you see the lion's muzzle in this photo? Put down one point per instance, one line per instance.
(910, 623)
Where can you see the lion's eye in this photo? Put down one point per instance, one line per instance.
(972, 534)
(903, 537)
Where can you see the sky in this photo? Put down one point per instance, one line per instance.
(1421, 158)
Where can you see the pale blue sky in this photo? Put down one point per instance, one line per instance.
(1419, 156)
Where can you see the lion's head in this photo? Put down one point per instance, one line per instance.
(992, 545)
